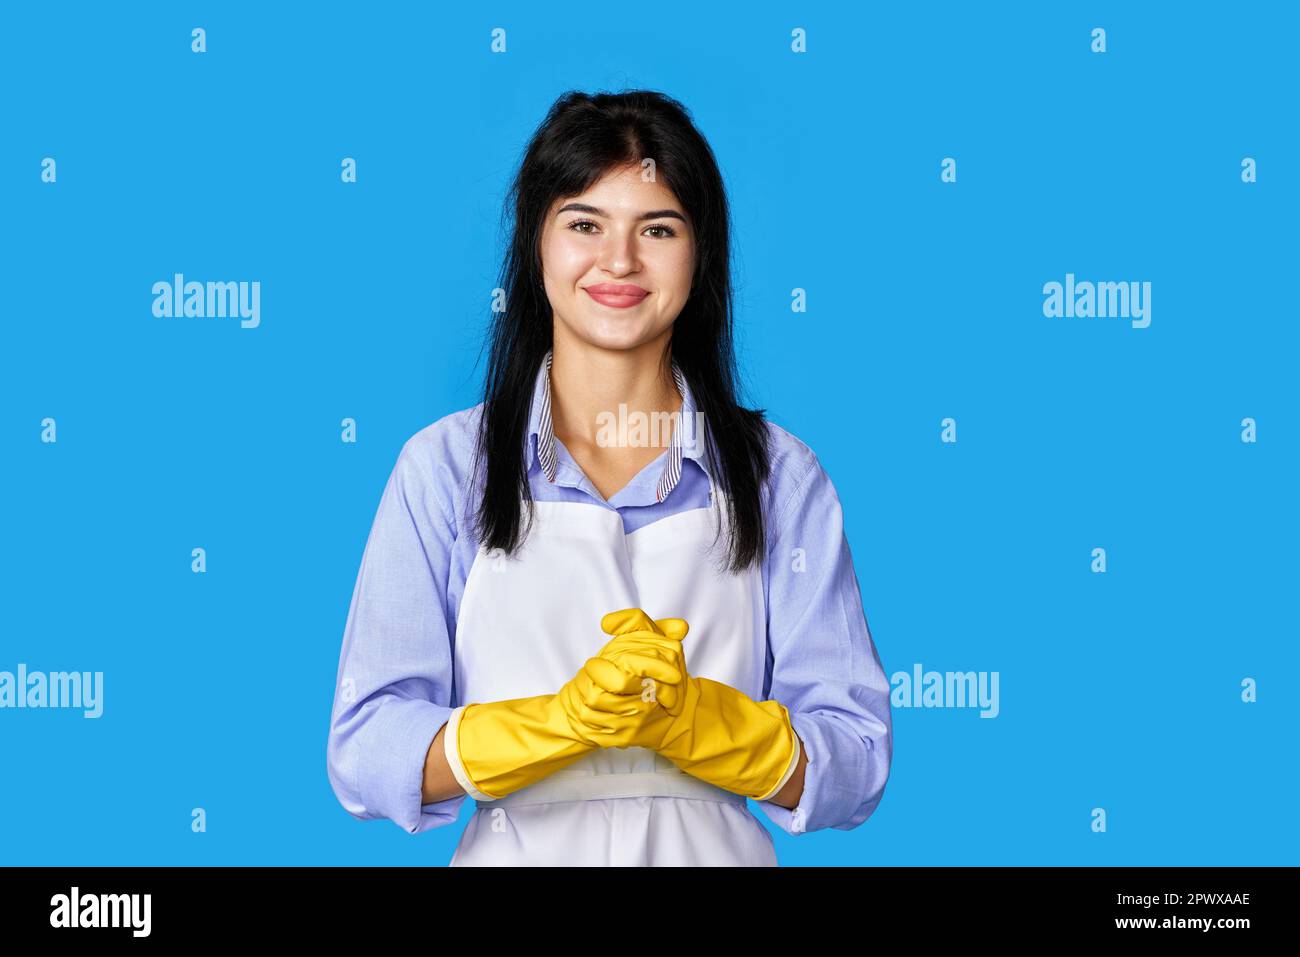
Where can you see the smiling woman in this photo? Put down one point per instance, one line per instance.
(618, 262)
(617, 266)
(608, 688)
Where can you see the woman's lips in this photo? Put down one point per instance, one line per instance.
(620, 297)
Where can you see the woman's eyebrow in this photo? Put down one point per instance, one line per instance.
(595, 211)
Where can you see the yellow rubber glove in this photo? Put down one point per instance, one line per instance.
(507, 745)
(644, 648)
(709, 729)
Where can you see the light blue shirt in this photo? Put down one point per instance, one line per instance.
(394, 687)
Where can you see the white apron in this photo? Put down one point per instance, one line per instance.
(526, 625)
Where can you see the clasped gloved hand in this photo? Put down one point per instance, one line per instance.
(709, 729)
(507, 745)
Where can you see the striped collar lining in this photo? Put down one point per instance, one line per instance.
(672, 472)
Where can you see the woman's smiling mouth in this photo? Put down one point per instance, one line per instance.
(618, 295)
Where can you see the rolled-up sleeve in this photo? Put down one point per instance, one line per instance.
(824, 665)
(394, 684)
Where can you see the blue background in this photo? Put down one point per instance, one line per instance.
(1118, 690)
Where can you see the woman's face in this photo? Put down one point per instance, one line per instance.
(617, 261)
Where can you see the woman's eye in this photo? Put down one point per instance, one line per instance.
(666, 232)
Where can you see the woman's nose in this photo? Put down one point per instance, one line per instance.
(618, 253)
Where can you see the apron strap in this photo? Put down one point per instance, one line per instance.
(586, 785)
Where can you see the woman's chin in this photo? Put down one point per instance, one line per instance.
(611, 333)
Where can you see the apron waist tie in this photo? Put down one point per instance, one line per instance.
(586, 785)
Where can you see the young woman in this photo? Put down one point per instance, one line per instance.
(611, 637)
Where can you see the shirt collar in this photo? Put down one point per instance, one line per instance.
(687, 439)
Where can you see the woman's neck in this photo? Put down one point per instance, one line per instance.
(592, 389)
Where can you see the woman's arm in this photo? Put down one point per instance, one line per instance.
(393, 690)
(439, 783)
(825, 669)
(789, 795)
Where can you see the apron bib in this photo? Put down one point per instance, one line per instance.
(526, 625)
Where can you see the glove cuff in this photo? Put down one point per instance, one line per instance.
(795, 751)
(736, 743)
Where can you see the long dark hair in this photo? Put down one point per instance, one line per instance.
(582, 138)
